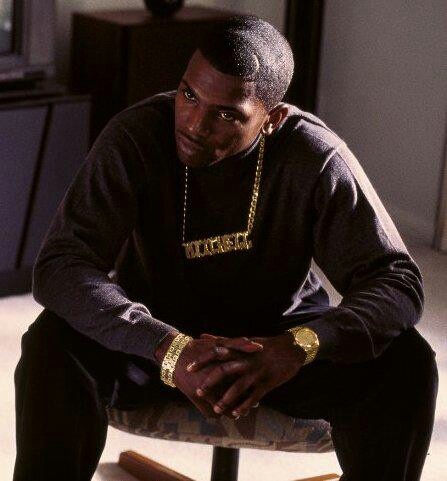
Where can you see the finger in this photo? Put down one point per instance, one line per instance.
(240, 344)
(205, 405)
(219, 373)
(217, 353)
(253, 400)
(238, 391)
(207, 336)
(211, 396)
(205, 409)
(258, 340)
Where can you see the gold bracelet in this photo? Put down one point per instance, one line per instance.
(171, 357)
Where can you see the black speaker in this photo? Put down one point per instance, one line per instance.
(163, 8)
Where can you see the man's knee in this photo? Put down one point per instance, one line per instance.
(43, 338)
(416, 349)
(41, 349)
(52, 349)
(44, 333)
(416, 362)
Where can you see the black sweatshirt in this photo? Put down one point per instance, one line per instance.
(113, 267)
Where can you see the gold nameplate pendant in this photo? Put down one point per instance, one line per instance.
(221, 244)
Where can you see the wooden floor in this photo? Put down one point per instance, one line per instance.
(146, 469)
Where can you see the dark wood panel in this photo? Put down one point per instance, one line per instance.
(15, 282)
(99, 67)
(65, 149)
(159, 66)
(20, 140)
(135, 17)
(120, 57)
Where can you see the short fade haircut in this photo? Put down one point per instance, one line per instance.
(248, 47)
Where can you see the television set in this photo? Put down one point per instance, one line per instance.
(27, 33)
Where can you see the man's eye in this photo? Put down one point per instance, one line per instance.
(188, 95)
(227, 117)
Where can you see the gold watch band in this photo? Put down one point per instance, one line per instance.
(171, 357)
(307, 339)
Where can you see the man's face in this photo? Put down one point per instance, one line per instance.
(216, 115)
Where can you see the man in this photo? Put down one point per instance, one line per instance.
(198, 212)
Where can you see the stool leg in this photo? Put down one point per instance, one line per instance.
(225, 464)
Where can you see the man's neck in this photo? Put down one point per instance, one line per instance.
(240, 154)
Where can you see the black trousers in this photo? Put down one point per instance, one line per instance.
(381, 411)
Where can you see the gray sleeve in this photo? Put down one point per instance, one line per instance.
(358, 247)
(96, 215)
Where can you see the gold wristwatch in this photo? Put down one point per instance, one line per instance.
(307, 339)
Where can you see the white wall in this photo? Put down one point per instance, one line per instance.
(383, 88)
(65, 8)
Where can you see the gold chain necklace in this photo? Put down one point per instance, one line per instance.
(236, 241)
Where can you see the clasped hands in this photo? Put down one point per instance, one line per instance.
(229, 376)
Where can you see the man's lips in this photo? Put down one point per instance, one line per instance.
(190, 144)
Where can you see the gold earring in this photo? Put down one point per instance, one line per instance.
(268, 129)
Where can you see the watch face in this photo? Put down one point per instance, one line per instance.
(306, 338)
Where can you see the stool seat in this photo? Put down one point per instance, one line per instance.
(263, 428)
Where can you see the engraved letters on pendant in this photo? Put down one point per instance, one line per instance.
(237, 241)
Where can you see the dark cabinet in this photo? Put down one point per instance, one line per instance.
(123, 56)
(42, 144)
(19, 155)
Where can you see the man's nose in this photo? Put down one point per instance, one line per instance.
(198, 125)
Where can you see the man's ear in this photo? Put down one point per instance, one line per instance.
(274, 118)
